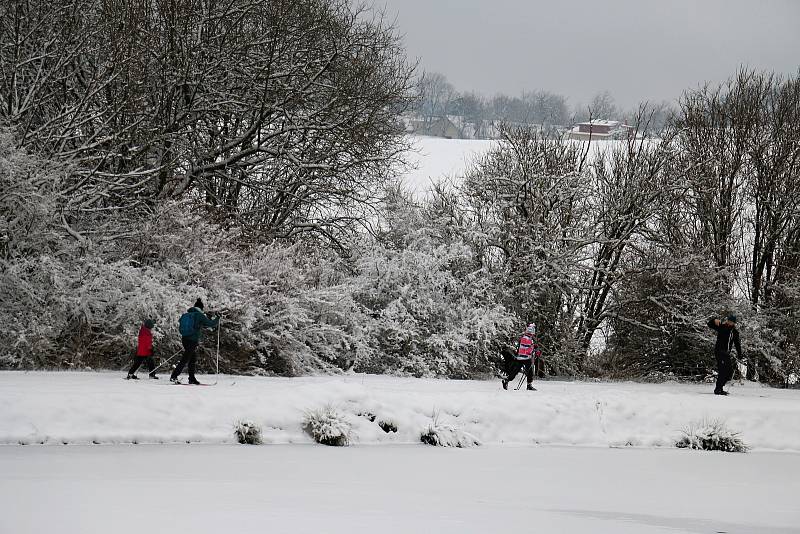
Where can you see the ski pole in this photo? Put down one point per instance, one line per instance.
(519, 384)
(219, 327)
(166, 361)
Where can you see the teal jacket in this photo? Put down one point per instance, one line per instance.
(200, 320)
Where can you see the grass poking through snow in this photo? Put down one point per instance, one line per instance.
(711, 436)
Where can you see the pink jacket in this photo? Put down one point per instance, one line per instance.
(528, 347)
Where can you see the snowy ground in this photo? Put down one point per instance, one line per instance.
(436, 158)
(201, 489)
(520, 480)
(82, 408)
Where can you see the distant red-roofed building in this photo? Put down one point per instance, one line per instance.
(599, 129)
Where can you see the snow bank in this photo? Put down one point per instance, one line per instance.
(63, 407)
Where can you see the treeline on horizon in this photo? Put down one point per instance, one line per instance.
(249, 152)
(436, 97)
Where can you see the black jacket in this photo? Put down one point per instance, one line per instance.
(727, 338)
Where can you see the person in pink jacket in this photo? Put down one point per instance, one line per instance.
(527, 350)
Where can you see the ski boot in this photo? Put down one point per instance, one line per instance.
(174, 380)
(131, 377)
(193, 381)
(721, 392)
(505, 384)
(153, 376)
(530, 387)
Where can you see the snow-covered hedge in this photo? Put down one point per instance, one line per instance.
(73, 299)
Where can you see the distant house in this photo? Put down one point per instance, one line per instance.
(598, 129)
(436, 127)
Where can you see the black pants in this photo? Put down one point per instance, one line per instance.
(724, 370)
(189, 356)
(139, 360)
(513, 366)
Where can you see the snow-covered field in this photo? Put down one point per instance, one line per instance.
(437, 158)
(82, 408)
(215, 489)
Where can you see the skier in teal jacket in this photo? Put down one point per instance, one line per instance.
(191, 325)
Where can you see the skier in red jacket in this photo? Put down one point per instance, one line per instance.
(144, 351)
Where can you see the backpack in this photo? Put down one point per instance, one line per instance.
(187, 325)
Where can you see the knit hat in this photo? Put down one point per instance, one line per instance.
(732, 318)
(531, 329)
(149, 324)
(199, 304)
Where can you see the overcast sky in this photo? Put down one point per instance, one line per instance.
(637, 49)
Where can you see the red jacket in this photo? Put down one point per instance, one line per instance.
(145, 342)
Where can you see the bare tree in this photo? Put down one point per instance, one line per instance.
(602, 106)
(280, 115)
(523, 208)
(628, 184)
(715, 129)
(473, 108)
(546, 108)
(773, 173)
(739, 157)
(436, 95)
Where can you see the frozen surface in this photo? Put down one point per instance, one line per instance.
(201, 489)
(82, 408)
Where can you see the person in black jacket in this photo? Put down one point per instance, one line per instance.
(727, 339)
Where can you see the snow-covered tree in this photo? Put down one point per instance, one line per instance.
(281, 115)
